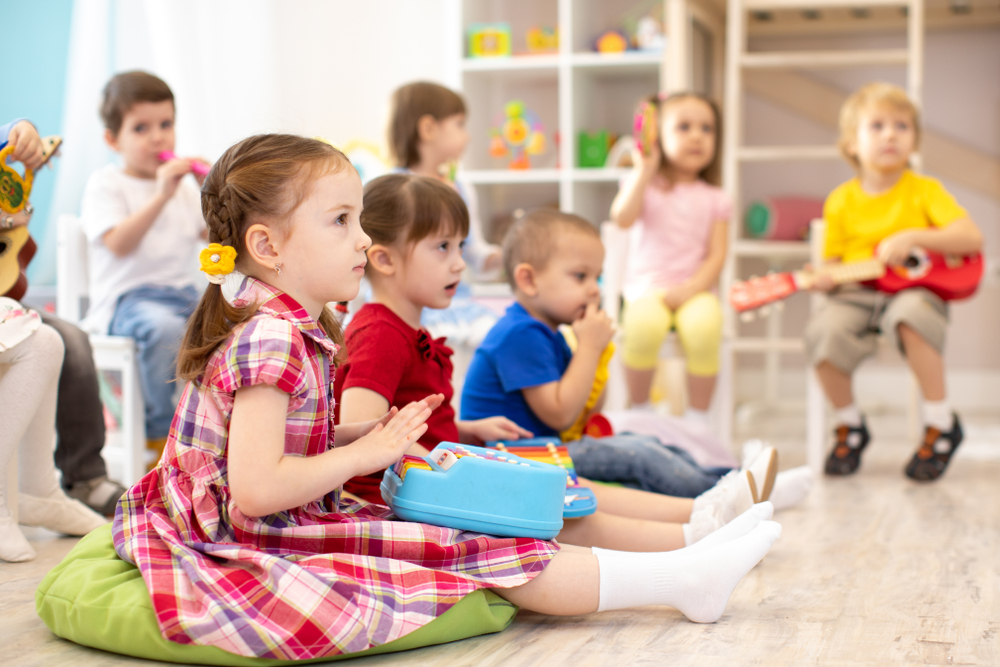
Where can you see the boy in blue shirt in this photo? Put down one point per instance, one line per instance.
(526, 371)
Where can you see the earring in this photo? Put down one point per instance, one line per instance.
(277, 267)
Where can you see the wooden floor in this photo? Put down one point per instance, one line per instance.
(871, 570)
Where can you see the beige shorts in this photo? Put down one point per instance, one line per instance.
(846, 329)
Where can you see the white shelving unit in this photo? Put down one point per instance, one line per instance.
(735, 154)
(573, 90)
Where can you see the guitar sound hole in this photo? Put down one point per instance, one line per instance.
(912, 262)
(4, 247)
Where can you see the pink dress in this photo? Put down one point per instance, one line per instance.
(326, 578)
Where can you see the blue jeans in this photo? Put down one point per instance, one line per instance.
(156, 317)
(642, 462)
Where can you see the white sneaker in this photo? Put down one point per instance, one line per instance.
(58, 513)
(763, 466)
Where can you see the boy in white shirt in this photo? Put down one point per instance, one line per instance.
(144, 224)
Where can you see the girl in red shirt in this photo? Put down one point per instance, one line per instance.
(415, 262)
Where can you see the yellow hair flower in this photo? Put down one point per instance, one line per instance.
(217, 262)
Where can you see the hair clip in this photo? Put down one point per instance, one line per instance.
(217, 262)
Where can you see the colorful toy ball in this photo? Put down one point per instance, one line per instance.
(489, 40)
(644, 128)
(517, 133)
(612, 42)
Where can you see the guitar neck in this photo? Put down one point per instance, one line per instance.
(855, 272)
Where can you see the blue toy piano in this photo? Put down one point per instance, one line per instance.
(478, 489)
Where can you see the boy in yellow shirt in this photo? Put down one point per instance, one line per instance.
(884, 212)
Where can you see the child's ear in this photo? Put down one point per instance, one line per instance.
(260, 245)
(111, 139)
(381, 259)
(524, 279)
(427, 127)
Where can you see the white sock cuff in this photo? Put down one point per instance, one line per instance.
(849, 415)
(938, 414)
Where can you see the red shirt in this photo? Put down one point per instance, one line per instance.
(401, 364)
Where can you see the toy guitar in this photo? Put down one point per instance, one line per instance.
(17, 248)
(644, 127)
(951, 277)
(197, 166)
(471, 488)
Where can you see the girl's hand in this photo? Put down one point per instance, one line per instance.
(894, 248)
(27, 145)
(481, 431)
(169, 175)
(386, 443)
(647, 165)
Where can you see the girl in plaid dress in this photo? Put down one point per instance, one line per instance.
(241, 533)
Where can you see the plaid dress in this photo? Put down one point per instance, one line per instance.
(326, 578)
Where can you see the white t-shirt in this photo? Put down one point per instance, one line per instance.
(166, 256)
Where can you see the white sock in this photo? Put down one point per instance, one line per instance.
(697, 583)
(699, 416)
(731, 496)
(738, 527)
(938, 414)
(848, 416)
(14, 548)
(791, 487)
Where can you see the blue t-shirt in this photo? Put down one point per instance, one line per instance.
(518, 352)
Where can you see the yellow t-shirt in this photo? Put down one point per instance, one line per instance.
(856, 221)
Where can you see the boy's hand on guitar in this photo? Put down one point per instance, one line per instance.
(386, 443)
(820, 280)
(169, 175)
(895, 248)
(481, 431)
(595, 329)
(28, 147)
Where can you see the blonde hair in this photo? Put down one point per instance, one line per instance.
(263, 177)
(865, 98)
(712, 173)
(533, 239)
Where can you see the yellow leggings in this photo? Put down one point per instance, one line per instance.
(698, 322)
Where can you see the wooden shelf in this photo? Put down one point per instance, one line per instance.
(799, 59)
(492, 176)
(510, 63)
(782, 153)
(605, 175)
(771, 249)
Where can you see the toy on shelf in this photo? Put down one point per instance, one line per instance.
(473, 488)
(782, 218)
(541, 39)
(593, 147)
(489, 40)
(518, 133)
(197, 166)
(613, 41)
(648, 35)
(644, 128)
(579, 501)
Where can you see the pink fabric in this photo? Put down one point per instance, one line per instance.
(696, 439)
(670, 239)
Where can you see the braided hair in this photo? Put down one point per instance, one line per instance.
(263, 178)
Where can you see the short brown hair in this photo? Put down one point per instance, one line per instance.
(127, 89)
(264, 177)
(712, 173)
(400, 209)
(533, 239)
(872, 94)
(410, 103)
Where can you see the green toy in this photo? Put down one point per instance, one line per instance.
(592, 149)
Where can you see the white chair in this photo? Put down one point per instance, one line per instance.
(616, 246)
(816, 422)
(126, 449)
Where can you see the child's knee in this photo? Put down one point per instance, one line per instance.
(645, 324)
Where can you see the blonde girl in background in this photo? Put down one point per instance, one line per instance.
(678, 218)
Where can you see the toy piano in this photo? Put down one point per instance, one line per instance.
(483, 490)
(580, 501)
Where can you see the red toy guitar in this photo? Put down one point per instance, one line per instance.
(951, 277)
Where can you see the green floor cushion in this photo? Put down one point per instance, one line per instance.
(96, 599)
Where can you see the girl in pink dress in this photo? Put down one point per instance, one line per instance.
(241, 533)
